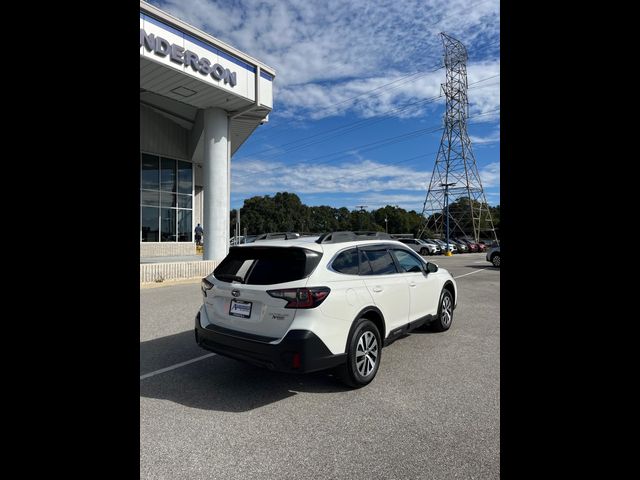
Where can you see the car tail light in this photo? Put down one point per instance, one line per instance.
(205, 286)
(301, 297)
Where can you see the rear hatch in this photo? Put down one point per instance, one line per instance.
(239, 300)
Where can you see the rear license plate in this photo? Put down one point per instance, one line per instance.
(240, 308)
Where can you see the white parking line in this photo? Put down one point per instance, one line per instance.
(471, 273)
(177, 365)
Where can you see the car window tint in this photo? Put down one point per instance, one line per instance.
(408, 262)
(266, 265)
(347, 262)
(381, 262)
(365, 266)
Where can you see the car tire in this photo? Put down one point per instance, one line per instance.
(445, 313)
(363, 348)
(495, 260)
(424, 252)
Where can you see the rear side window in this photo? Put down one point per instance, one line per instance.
(347, 262)
(267, 265)
(381, 262)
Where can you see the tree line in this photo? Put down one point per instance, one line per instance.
(284, 212)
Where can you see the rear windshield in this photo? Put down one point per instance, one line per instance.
(267, 265)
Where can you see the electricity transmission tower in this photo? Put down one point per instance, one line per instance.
(455, 173)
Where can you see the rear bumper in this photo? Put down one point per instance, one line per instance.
(313, 353)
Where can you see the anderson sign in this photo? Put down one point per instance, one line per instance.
(177, 54)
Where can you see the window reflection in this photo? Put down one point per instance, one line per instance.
(168, 200)
(149, 226)
(184, 226)
(168, 224)
(149, 178)
(185, 178)
(166, 216)
(168, 175)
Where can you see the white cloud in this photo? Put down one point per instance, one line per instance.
(405, 201)
(491, 138)
(490, 175)
(326, 52)
(259, 176)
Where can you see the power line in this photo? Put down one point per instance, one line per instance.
(404, 77)
(407, 78)
(357, 124)
(365, 148)
(419, 73)
(405, 160)
(415, 157)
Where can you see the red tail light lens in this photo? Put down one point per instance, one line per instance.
(301, 297)
(205, 286)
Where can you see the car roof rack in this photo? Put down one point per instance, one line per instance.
(278, 236)
(349, 236)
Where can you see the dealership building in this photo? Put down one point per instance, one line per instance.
(200, 99)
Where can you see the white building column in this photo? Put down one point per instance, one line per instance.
(215, 185)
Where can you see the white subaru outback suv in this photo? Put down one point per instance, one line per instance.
(305, 305)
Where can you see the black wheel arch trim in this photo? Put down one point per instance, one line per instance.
(361, 314)
(454, 295)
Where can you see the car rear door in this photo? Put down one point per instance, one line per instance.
(390, 292)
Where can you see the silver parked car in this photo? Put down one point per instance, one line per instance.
(493, 256)
(453, 247)
(420, 246)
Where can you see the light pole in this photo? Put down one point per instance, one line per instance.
(446, 207)
(386, 230)
(361, 207)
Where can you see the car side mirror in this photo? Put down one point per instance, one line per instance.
(431, 267)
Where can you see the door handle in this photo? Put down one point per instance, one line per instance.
(412, 284)
(377, 289)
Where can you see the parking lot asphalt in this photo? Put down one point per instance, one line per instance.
(432, 412)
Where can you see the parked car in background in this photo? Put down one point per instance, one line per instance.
(420, 246)
(462, 247)
(299, 306)
(237, 240)
(432, 242)
(453, 248)
(493, 256)
(471, 246)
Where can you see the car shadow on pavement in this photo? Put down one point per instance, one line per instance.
(219, 383)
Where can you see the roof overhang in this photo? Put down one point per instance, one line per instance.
(184, 70)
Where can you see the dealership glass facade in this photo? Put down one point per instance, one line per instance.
(166, 199)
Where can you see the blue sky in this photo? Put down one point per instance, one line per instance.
(350, 73)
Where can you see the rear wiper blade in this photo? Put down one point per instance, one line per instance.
(228, 276)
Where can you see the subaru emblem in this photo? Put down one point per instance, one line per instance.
(235, 293)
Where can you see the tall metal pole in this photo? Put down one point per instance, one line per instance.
(446, 201)
(446, 208)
